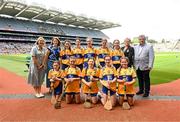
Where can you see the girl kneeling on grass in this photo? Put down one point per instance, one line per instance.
(90, 77)
(108, 81)
(126, 79)
(54, 76)
(72, 79)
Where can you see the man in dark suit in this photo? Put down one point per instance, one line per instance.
(143, 62)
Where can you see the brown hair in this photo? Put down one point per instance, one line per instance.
(59, 42)
(56, 62)
(69, 44)
(107, 56)
(104, 39)
(77, 38)
(114, 42)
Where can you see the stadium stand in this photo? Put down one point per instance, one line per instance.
(23, 24)
(15, 48)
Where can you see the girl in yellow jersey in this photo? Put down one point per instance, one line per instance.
(78, 54)
(108, 81)
(65, 54)
(90, 77)
(116, 54)
(55, 76)
(72, 76)
(102, 52)
(126, 79)
(89, 52)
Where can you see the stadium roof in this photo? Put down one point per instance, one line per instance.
(19, 9)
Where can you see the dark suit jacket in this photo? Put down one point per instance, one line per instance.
(129, 52)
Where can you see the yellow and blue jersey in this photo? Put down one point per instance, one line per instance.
(116, 56)
(128, 75)
(89, 53)
(86, 73)
(78, 53)
(101, 53)
(108, 73)
(65, 55)
(73, 73)
(57, 85)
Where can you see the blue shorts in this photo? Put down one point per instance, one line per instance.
(72, 93)
(58, 89)
(105, 91)
(92, 94)
(128, 95)
(64, 66)
(49, 67)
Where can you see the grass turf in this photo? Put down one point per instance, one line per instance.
(14, 63)
(166, 66)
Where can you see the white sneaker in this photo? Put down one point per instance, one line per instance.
(41, 95)
(117, 95)
(37, 95)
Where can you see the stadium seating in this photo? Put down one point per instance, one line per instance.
(41, 27)
(15, 48)
(18, 35)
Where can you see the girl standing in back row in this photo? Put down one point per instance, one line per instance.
(89, 52)
(102, 52)
(78, 54)
(116, 54)
(65, 54)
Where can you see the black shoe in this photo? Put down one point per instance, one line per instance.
(139, 93)
(99, 96)
(145, 95)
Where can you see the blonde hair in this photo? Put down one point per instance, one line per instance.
(127, 39)
(38, 39)
(89, 39)
(126, 58)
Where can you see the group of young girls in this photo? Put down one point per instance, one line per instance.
(90, 71)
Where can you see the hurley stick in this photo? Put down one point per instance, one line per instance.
(108, 104)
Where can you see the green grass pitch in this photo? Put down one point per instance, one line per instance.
(166, 66)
